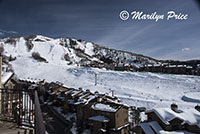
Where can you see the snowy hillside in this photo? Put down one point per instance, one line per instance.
(68, 51)
(38, 57)
(133, 88)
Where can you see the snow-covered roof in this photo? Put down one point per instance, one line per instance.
(154, 128)
(189, 67)
(175, 132)
(91, 97)
(172, 66)
(165, 64)
(146, 128)
(104, 107)
(68, 91)
(84, 95)
(33, 80)
(103, 130)
(76, 92)
(6, 76)
(156, 65)
(62, 89)
(33, 86)
(181, 65)
(99, 118)
(149, 65)
(123, 126)
(190, 116)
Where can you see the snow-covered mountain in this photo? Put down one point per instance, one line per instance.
(71, 51)
(38, 57)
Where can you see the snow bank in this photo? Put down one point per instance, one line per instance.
(192, 97)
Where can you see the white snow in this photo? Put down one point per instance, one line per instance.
(43, 38)
(174, 132)
(133, 88)
(190, 115)
(150, 90)
(89, 49)
(5, 77)
(195, 96)
(152, 127)
(103, 107)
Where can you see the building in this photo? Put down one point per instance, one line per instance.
(171, 68)
(149, 128)
(102, 115)
(173, 119)
(6, 80)
(198, 69)
(98, 112)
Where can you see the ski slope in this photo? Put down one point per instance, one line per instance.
(133, 88)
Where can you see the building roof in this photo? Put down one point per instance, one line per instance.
(6, 76)
(154, 128)
(104, 107)
(189, 67)
(31, 80)
(146, 128)
(62, 89)
(190, 116)
(99, 118)
(84, 95)
(68, 91)
(123, 126)
(90, 98)
(76, 92)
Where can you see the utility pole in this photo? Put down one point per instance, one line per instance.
(95, 79)
(112, 92)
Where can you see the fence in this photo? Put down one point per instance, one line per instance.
(22, 107)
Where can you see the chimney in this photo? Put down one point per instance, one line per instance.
(174, 107)
(197, 107)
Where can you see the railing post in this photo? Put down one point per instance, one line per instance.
(39, 125)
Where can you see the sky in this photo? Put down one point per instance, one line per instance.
(98, 21)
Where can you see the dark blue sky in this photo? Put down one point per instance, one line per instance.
(98, 21)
